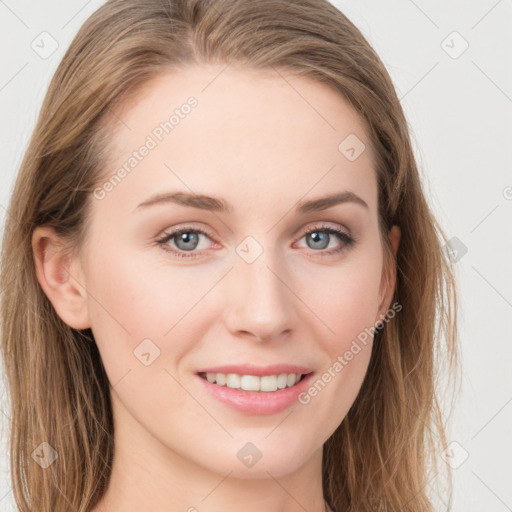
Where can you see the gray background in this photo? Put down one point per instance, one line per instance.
(459, 106)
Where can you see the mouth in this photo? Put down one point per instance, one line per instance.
(265, 383)
(253, 389)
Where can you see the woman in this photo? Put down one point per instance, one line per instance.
(223, 285)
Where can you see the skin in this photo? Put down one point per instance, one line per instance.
(263, 144)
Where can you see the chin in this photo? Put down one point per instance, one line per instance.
(259, 458)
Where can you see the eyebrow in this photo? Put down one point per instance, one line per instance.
(215, 204)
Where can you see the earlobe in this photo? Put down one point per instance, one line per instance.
(60, 277)
(388, 280)
(395, 234)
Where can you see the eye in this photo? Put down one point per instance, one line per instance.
(319, 238)
(184, 239)
(187, 239)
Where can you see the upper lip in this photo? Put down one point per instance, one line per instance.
(258, 371)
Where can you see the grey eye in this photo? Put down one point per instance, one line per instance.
(187, 240)
(320, 240)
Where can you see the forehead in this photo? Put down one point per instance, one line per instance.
(248, 133)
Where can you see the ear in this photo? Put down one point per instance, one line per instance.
(388, 280)
(60, 277)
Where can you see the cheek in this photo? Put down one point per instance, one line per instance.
(349, 313)
(347, 305)
(147, 314)
(345, 299)
(334, 389)
(132, 301)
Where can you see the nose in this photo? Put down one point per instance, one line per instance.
(259, 303)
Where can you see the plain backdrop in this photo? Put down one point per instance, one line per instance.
(451, 65)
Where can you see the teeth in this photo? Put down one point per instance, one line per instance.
(266, 383)
(269, 382)
(233, 380)
(282, 380)
(250, 383)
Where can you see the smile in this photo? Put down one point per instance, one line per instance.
(273, 389)
(266, 383)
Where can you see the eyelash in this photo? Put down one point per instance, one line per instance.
(347, 240)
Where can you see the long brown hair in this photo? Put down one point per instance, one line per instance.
(380, 456)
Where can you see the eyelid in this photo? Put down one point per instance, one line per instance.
(321, 224)
(202, 228)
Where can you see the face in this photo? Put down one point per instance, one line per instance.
(263, 280)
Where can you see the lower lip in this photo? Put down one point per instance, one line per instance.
(258, 402)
